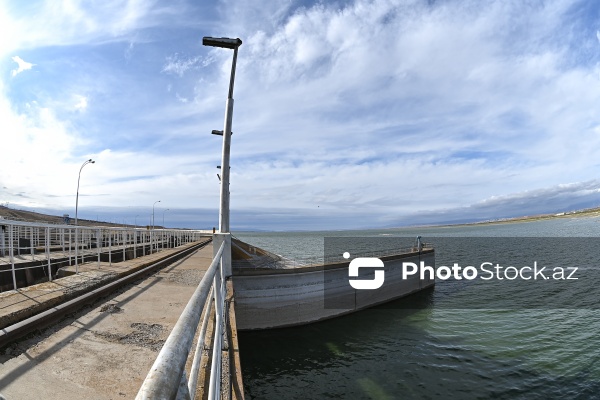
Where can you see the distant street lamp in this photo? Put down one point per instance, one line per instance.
(152, 231)
(164, 216)
(158, 201)
(90, 161)
(136, 220)
(233, 44)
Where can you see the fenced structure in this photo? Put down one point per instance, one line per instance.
(168, 378)
(32, 252)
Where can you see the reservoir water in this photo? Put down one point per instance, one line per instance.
(432, 351)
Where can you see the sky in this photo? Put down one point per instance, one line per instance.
(348, 114)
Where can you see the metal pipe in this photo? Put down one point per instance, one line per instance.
(98, 245)
(31, 243)
(232, 77)
(48, 254)
(162, 382)
(225, 170)
(193, 381)
(76, 250)
(109, 248)
(11, 252)
(152, 235)
(214, 387)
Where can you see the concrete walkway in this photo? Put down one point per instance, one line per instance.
(103, 352)
(15, 306)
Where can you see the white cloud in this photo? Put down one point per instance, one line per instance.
(179, 65)
(39, 148)
(81, 102)
(70, 22)
(22, 66)
(381, 106)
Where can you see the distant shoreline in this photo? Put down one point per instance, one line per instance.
(586, 213)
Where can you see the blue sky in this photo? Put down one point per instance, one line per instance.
(348, 114)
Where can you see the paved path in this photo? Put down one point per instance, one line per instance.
(105, 351)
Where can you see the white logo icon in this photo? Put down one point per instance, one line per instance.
(365, 262)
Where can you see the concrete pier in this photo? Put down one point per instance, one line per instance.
(106, 351)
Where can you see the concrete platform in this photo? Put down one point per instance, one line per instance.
(106, 352)
(18, 305)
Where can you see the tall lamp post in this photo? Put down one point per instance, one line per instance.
(224, 235)
(90, 161)
(152, 231)
(163, 232)
(233, 44)
(158, 201)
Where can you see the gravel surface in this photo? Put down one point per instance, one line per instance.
(188, 277)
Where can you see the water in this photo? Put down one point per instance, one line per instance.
(434, 352)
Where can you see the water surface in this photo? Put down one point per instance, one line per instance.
(432, 351)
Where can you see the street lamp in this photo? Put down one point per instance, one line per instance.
(233, 44)
(164, 216)
(90, 161)
(158, 201)
(152, 231)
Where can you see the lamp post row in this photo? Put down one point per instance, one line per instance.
(90, 161)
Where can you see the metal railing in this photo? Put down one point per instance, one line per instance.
(167, 378)
(33, 252)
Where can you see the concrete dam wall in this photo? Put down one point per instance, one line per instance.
(272, 298)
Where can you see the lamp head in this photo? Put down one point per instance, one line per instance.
(226, 43)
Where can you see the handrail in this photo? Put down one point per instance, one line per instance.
(167, 378)
(28, 249)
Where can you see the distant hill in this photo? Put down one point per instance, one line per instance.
(30, 216)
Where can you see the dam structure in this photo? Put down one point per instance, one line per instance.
(134, 291)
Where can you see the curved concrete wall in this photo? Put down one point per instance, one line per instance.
(273, 298)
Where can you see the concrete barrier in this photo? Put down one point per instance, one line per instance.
(274, 298)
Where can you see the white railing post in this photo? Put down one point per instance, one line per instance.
(76, 250)
(69, 246)
(48, 254)
(98, 244)
(110, 247)
(2, 244)
(31, 242)
(11, 252)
